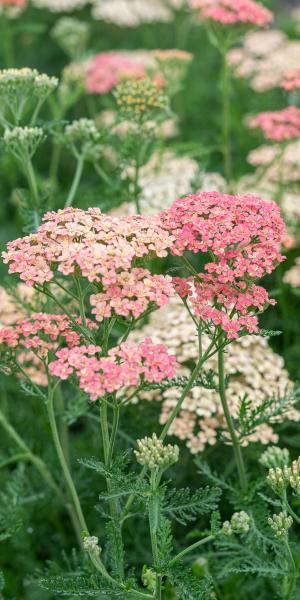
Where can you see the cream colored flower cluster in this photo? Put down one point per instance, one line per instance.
(264, 58)
(131, 13)
(292, 276)
(167, 176)
(254, 370)
(60, 6)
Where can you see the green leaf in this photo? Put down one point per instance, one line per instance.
(184, 506)
(188, 586)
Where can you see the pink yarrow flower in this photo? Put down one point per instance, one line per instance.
(230, 12)
(104, 249)
(291, 81)
(243, 236)
(125, 366)
(280, 125)
(105, 70)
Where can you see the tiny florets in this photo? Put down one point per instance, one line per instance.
(125, 366)
(230, 12)
(239, 523)
(140, 99)
(278, 125)
(20, 140)
(154, 455)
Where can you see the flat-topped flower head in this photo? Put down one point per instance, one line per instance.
(23, 140)
(83, 138)
(230, 12)
(105, 70)
(243, 235)
(21, 88)
(291, 81)
(140, 99)
(126, 366)
(104, 250)
(278, 125)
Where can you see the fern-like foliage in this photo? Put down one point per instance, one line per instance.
(81, 586)
(11, 511)
(250, 417)
(185, 506)
(188, 586)
(114, 547)
(164, 543)
(208, 380)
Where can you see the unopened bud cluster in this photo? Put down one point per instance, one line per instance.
(20, 140)
(280, 524)
(83, 137)
(90, 544)
(239, 523)
(140, 99)
(275, 457)
(282, 477)
(71, 35)
(153, 454)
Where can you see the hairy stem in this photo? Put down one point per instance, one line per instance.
(75, 182)
(191, 548)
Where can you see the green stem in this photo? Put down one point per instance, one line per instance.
(102, 174)
(136, 193)
(293, 579)
(228, 418)
(29, 171)
(153, 526)
(75, 183)
(191, 548)
(63, 463)
(35, 460)
(7, 45)
(227, 158)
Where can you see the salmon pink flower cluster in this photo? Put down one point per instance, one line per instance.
(291, 81)
(230, 12)
(41, 332)
(105, 70)
(105, 250)
(278, 125)
(242, 234)
(132, 294)
(127, 365)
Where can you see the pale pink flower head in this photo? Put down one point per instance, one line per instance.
(230, 12)
(279, 125)
(105, 70)
(291, 81)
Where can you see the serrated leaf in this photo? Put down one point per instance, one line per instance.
(184, 506)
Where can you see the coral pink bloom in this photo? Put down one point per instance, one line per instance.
(229, 12)
(279, 125)
(105, 70)
(126, 366)
(291, 81)
(243, 236)
(21, 4)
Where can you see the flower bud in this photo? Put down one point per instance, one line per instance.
(280, 524)
(153, 454)
(275, 457)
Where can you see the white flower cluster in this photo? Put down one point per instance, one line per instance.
(71, 35)
(153, 454)
(26, 81)
(280, 524)
(252, 366)
(292, 276)
(131, 13)
(264, 58)
(59, 6)
(20, 140)
(167, 176)
(91, 545)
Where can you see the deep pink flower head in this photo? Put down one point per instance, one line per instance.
(229, 12)
(278, 125)
(105, 70)
(126, 366)
(291, 81)
(243, 235)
